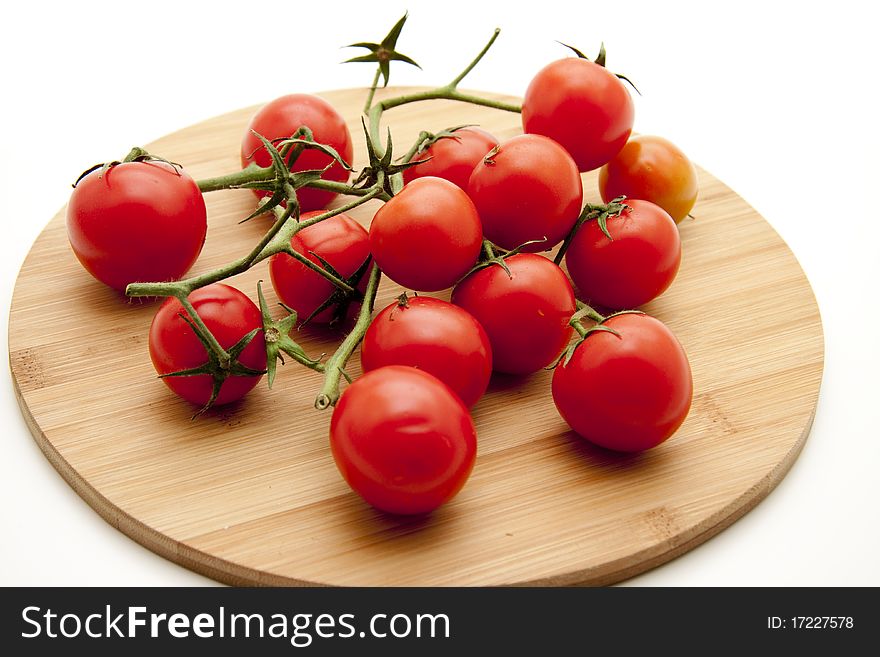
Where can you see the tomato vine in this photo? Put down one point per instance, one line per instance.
(381, 179)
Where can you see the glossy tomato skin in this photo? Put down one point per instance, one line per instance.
(528, 190)
(402, 440)
(136, 222)
(435, 336)
(282, 117)
(453, 158)
(581, 105)
(654, 169)
(626, 392)
(342, 242)
(525, 314)
(230, 315)
(630, 270)
(428, 236)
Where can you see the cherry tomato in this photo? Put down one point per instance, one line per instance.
(174, 346)
(402, 440)
(525, 314)
(581, 105)
(653, 169)
(627, 392)
(339, 240)
(281, 118)
(435, 336)
(637, 265)
(136, 222)
(528, 190)
(428, 236)
(453, 158)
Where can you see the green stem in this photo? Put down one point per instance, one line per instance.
(372, 93)
(583, 310)
(221, 353)
(590, 211)
(346, 190)
(446, 92)
(281, 240)
(334, 366)
(586, 213)
(374, 117)
(476, 60)
(250, 174)
(134, 154)
(338, 282)
(369, 194)
(414, 149)
(253, 173)
(302, 359)
(315, 267)
(276, 240)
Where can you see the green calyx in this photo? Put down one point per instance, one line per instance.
(342, 297)
(381, 171)
(136, 154)
(384, 52)
(493, 254)
(586, 312)
(600, 60)
(278, 341)
(284, 182)
(600, 213)
(429, 139)
(221, 363)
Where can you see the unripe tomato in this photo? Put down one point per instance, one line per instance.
(653, 169)
(583, 106)
(402, 440)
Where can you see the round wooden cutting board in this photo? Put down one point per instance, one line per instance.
(249, 494)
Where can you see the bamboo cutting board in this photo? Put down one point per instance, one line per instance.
(249, 494)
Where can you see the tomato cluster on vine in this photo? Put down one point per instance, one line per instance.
(501, 223)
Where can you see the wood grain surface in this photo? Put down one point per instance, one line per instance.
(249, 493)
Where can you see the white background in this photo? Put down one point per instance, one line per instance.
(779, 100)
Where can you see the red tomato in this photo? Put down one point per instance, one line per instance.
(626, 392)
(525, 314)
(435, 336)
(653, 169)
(402, 440)
(281, 118)
(428, 236)
(528, 190)
(136, 222)
(581, 105)
(634, 267)
(342, 242)
(453, 158)
(174, 346)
